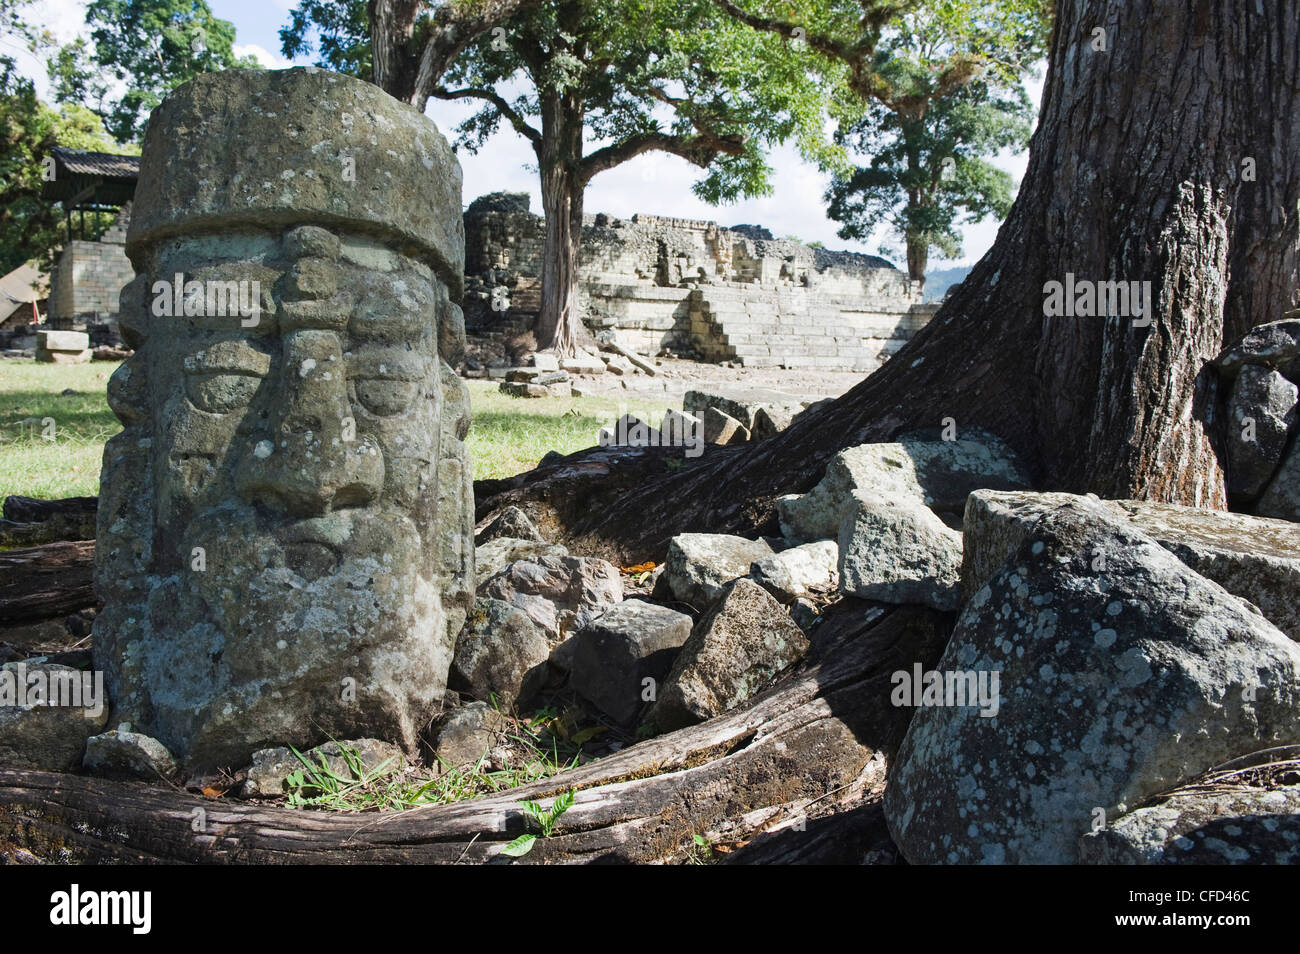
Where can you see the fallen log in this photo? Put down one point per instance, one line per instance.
(30, 522)
(47, 581)
(817, 742)
(33, 509)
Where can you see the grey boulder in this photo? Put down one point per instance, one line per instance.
(935, 474)
(1261, 412)
(500, 654)
(738, 648)
(1244, 827)
(897, 551)
(560, 594)
(1274, 344)
(742, 404)
(498, 552)
(614, 656)
(1281, 498)
(700, 565)
(51, 738)
(1115, 685)
(800, 571)
(770, 421)
(719, 427)
(1253, 558)
(466, 735)
(511, 522)
(122, 754)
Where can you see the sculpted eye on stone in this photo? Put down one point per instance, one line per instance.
(316, 456)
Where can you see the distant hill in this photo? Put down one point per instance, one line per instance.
(938, 282)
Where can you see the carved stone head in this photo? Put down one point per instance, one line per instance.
(284, 546)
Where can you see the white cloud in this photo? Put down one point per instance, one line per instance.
(271, 61)
(64, 18)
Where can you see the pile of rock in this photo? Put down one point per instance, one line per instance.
(1262, 373)
(1128, 663)
(1103, 653)
(738, 415)
(545, 375)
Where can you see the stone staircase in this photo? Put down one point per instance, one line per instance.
(789, 327)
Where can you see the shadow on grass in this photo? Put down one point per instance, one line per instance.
(85, 414)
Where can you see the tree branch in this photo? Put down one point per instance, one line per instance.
(700, 149)
(452, 28)
(823, 44)
(856, 55)
(504, 108)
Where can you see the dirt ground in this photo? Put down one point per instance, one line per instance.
(676, 376)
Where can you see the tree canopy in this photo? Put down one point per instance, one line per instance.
(149, 47)
(938, 87)
(32, 227)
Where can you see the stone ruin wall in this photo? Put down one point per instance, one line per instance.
(89, 277)
(694, 288)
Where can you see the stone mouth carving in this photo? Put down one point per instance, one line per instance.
(312, 560)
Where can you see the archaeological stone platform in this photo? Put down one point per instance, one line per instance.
(692, 287)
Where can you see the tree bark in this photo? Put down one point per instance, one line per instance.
(47, 581)
(30, 522)
(812, 746)
(560, 155)
(918, 258)
(1134, 175)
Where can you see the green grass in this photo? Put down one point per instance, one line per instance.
(508, 434)
(536, 755)
(69, 465)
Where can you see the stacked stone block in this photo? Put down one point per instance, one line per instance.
(89, 277)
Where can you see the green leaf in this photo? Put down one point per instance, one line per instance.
(563, 802)
(586, 735)
(520, 846)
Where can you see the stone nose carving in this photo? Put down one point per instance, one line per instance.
(313, 462)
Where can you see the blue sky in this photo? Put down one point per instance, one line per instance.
(656, 183)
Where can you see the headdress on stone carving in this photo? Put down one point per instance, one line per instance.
(344, 153)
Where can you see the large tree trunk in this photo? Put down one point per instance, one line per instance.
(918, 257)
(560, 156)
(1134, 175)
(809, 749)
(406, 72)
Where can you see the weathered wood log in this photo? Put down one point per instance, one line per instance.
(33, 509)
(47, 581)
(849, 836)
(816, 742)
(44, 531)
(30, 522)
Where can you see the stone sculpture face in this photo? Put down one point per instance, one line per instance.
(283, 534)
(316, 431)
